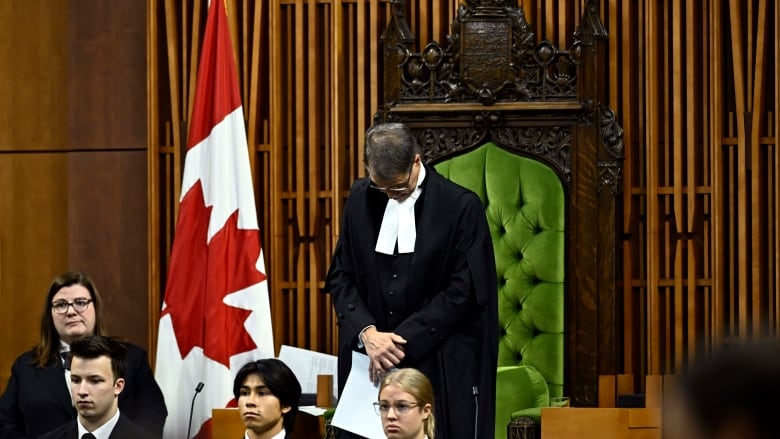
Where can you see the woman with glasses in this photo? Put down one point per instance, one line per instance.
(37, 398)
(406, 405)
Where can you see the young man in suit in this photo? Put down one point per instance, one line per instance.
(267, 393)
(97, 377)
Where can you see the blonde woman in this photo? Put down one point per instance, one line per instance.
(406, 405)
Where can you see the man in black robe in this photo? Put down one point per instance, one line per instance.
(413, 281)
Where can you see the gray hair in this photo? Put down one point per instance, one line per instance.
(390, 150)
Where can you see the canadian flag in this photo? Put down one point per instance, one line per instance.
(215, 315)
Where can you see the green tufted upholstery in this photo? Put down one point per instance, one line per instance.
(524, 203)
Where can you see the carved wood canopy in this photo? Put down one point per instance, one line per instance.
(493, 82)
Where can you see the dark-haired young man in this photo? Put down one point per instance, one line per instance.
(267, 392)
(97, 377)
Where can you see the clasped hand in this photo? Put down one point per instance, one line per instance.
(385, 351)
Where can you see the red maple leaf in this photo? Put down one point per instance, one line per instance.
(202, 274)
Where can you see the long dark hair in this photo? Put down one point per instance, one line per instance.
(48, 347)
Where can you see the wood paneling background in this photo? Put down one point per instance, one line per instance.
(72, 161)
(694, 84)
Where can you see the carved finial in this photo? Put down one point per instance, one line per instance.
(397, 31)
(591, 27)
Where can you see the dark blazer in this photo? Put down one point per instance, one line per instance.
(447, 307)
(124, 429)
(37, 400)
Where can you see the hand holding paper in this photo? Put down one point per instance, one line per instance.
(355, 411)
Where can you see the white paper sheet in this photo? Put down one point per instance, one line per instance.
(306, 365)
(355, 410)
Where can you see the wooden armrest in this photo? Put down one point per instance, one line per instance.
(226, 424)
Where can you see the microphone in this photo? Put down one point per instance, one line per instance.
(198, 388)
(475, 392)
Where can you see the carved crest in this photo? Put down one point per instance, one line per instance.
(490, 56)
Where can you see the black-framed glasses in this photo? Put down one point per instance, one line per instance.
(396, 189)
(401, 407)
(79, 305)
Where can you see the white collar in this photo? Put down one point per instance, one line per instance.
(102, 432)
(398, 223)
(279, 435)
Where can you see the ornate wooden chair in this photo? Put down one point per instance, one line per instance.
(523, 125)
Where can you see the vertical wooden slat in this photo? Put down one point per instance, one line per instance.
(312, 160)
(625, 44)
(338, 144)
(299, 146)
(190, 77)
(613, 46)
(677, 151)
(245, 62)
(153, 178)
(423, 18)
(742, 191)
(438, 29)
(716, 131)
(563, 26)
(653, 228)
(691, 111)
(256, 92)
(549, 20)
(175, 95)
(373, 66)
(276, 260)
(361, 65)
(776, 149)
(706, 262)
(692, 158)
(758, 286)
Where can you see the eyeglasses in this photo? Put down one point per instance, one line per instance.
(396, 189)
(401, 407)
(79, 305)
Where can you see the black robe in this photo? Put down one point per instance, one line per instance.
(448, 312)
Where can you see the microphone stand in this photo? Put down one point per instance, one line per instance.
(198, 388)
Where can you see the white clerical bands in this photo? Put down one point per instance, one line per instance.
(398, 223)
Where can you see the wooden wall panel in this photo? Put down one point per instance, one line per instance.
(33, 245)
(107, 231)
(72, 160)
(107, 66)
(700, 177)
(34, 74)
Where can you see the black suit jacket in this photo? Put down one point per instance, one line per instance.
(124, 429)
(37, 400)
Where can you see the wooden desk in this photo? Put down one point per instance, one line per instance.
(226, 424)
(601, 423)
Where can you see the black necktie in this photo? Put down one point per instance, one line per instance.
(88, 436)
(66, 361)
